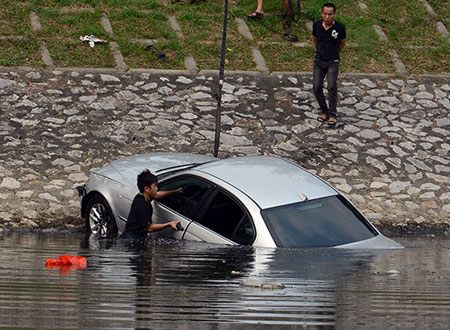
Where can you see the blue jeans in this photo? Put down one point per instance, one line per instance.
(331, 70)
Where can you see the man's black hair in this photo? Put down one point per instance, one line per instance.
(329, 4)
(145, 179)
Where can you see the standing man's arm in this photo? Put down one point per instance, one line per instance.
(342, 44)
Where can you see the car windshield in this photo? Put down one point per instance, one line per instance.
(323, 222)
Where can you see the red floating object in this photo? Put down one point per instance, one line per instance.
(78, 261)
(67, 260)
(52, 261)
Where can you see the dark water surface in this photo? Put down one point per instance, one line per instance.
(189, 285)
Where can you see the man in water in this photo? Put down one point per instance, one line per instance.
(139, 221)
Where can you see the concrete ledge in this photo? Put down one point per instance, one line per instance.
(190, 64)
(216, 72)
(86, 70)
(46, 58)
(160, 71)
(243, 28)
(259, 60)
(231, 73)
(120, 63)
(12, 37)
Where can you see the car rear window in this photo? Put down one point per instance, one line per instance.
(323, 222)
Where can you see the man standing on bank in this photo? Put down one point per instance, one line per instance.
(329, 37)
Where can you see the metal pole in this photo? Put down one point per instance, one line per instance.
(221, 76)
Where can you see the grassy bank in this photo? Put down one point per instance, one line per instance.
(410, 30)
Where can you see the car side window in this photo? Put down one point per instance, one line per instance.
(185, 203)
(227, 218)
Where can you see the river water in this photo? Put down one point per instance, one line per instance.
(190, 285)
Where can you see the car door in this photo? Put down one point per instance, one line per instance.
(180, 206)
(122, 199)
(223, 219)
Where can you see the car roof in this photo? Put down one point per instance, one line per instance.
(126, 170)
(270, 181)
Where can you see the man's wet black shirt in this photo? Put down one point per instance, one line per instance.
(139, 218)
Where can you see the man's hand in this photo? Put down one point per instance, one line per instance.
(174, 224)
(160, 226)
(179, 190)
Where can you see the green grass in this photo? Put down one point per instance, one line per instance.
(139, 56)
(137, 4)
(238, 55)
(417, 60)
(354, 60)
(410, 28)
(20, 52)
(442, 9)
(203, 29)
(153, 25)
(14, 19)
(70, 25)
(288, 57)
(61, 32)
(66, 3)
(66, 53)
(207, 7)
(405, 22)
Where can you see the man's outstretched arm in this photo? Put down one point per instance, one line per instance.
(159, 226)
(162, 194)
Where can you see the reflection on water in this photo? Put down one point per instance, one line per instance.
(190, 285)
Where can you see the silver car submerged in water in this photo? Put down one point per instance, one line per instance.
(262, 201)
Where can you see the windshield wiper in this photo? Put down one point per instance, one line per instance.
(181, 167)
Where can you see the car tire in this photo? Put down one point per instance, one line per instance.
(99, 218)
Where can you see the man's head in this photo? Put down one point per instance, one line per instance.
(329, 5)
(328, 13)
(147, 183)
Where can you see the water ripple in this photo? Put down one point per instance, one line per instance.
(187, 285)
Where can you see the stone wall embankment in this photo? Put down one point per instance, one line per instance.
(389, 152)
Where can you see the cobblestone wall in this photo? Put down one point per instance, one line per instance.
(389, 152)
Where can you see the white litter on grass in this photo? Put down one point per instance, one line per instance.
(92, 40)
(392, 272)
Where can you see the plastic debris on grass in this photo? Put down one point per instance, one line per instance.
(92, 40)
(161, 55)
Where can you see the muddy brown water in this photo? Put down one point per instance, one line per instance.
(189, 285)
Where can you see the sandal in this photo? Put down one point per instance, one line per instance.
(322, 118)
(331, 121)
(256, 15)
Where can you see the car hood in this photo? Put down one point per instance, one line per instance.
(126, 170)
(378, 242)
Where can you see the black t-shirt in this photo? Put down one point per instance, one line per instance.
(328, 40)
(139, 218)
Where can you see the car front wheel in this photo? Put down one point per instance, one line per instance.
(100, 219)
